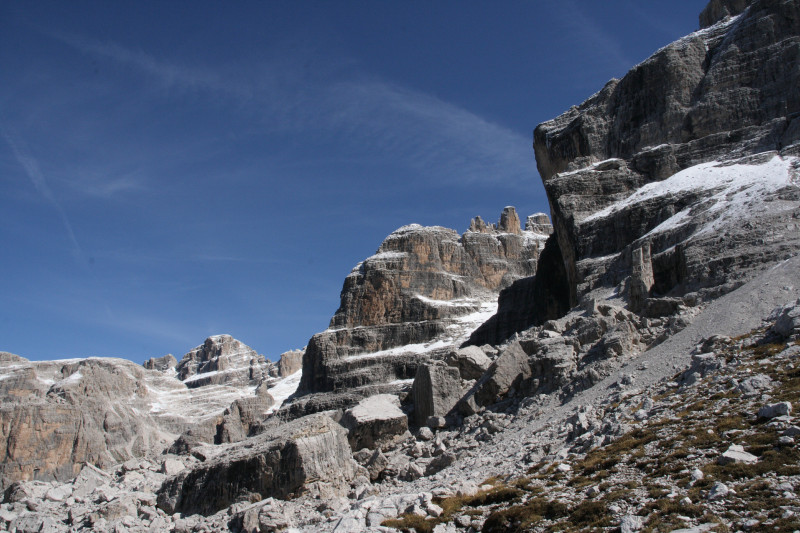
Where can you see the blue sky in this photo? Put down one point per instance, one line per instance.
(173, 170)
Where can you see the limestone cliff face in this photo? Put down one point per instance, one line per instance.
(630, 168)
(421, 281)
(56, 416)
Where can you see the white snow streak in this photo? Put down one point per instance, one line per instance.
(727, 189)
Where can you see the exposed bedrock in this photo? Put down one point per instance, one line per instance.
(528, 301)
(376, 421)
(163, 364)
(57, 415)
(422, 285)
(625, 169)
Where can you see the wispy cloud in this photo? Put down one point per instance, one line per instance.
(374, 117)
(103, 187)
(32, 169)
(430, 134)
(170, 75)
(152, 326)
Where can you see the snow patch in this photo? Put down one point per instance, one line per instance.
(284, 388)
(459, 329)
(388, 256)
(72, 378)
(407, 228)
(418, 348)
(731, 186)
(378, 407)
(531, 237)
(459, 302)
(473, 320)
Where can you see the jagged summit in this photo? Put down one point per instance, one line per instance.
(223, 359)
(425, 285)
(539, 223)
(508, 223)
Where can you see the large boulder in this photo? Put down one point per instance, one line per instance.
(242, 416)
(307, 455)
(787, 319)
(436, 390)
(375, 421)
(553, 362)
(470, 361)
(510, 370)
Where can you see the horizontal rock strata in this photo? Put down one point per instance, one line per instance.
(725, 93)
(421, 284)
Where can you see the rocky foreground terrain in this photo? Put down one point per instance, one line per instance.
(632, 367)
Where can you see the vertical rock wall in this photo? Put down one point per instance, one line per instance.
(726, 92)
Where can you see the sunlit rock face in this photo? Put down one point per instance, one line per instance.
(57, 416)
(692, 154)
(424, 284)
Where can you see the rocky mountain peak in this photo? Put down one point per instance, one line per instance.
(423, 284)
(478, 225)
(222, 359)
(539, 223)
(509, 221)
(8, 357)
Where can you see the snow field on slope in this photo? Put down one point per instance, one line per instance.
(283, 389)
(732, 188)
(458, 331)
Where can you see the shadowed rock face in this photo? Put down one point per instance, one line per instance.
(528, 301)
(728, 92)
(417, 285)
